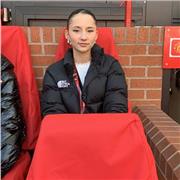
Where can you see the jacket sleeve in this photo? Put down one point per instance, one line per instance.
(51, 101)
(12, 121)
(116, 90)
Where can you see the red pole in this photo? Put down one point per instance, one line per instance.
(128, 13)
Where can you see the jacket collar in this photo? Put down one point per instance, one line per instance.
(97, 59)
(96, 53)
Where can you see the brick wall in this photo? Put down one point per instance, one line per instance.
(163, 136)
(140, 52)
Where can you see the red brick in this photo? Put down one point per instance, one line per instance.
(134, 72)
(119, 35)
(154, 34)
(131, 35)
(165, 124)
(155, 49)
(172, 135)
(176, 174)
(169, 151)
(58, 33)
(145, 83)
(148, 126)
(168, 171)
(35, 34)
(156, 115)
(153, 94)
(136, 94)
(174, 161)
(157, 138)
(162, 163)
(174, 140)
(39, 83)
(154, 72)
(47, 34)
(146, 60)
(160, 174)
(177, 129)
(124, 60)
(35, 49)
(25, 29)
(162, 35)
(42, 60)
(131, 49)
(38, 72)
(146, 103)
(177, 146)
(50, 49)
(143, 35)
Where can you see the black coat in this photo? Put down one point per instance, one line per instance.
(12, 124)
(104, 89)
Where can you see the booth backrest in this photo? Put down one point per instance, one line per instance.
(15, 48)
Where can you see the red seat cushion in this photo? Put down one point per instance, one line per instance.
(20, 168)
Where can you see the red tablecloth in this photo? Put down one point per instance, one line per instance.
(92, 146)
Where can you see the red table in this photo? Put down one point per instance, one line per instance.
(92, 146)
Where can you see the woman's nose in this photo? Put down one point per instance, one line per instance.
(83, 35)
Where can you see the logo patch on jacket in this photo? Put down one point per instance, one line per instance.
(63, 84)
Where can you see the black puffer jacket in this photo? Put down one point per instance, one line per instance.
(12, 125)
(104, 90)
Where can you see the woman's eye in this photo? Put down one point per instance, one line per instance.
(75, 30)
(90, 31)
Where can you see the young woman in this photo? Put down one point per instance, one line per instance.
(86, 80)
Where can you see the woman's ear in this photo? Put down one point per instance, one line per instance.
(66, 34)
(96, 34)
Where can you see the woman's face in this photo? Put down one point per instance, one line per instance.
(82, 33)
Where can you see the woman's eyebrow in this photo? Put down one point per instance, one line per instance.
(77, 27)
(90, 27)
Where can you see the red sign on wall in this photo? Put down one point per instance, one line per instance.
(171, 47)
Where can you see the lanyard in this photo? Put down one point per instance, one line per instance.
(76, 79)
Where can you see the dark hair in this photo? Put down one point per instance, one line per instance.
(83, 11)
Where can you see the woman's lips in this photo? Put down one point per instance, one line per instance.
(83, 44)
